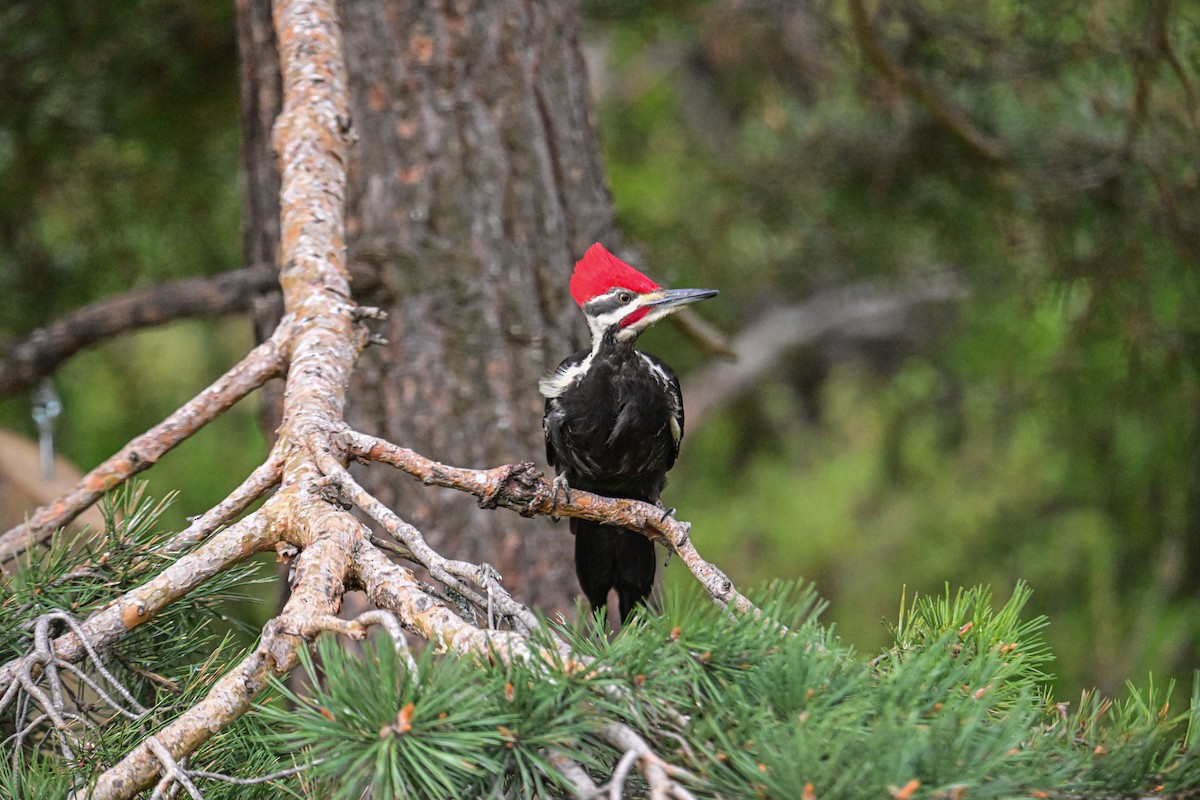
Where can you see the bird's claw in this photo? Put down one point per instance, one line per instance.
(559, 486)
(667, 511)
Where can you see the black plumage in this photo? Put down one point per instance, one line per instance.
(614, 419)
(615, 430)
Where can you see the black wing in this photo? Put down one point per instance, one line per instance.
(672, 383)
(552, 415)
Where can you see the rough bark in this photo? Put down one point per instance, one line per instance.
(474, 183)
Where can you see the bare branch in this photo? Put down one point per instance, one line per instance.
(448, 571)
(264, 477)
(703, 333)
(584, 786)
(321, 571)
(847, 312)
(522, 488)
(171, 772)
(658, 773)
(274, 776)
(396, 589)
(230, 546)
(616, 784)
(310, 138)
(261, 364)
(318, 343)
(26, 361)
(357, 629)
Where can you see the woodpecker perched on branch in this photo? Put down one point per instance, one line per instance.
(614, 419)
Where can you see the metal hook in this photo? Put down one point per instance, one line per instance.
(46, 408)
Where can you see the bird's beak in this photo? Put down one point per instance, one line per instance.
(669, 299)
(653, 306)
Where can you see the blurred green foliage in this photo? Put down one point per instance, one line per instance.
(751, 146)
(1053, 435)
(118, 154)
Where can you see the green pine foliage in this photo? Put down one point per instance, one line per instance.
(1052, 434)
(166, 664)
(957, 707)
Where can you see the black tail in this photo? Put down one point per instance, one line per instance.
(607, 557)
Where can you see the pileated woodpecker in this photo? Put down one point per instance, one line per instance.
(614, 419)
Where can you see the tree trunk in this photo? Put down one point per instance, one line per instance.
(475, 182)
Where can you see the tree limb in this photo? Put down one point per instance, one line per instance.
(29, 359)
(854, 311)
(261, 480)
(105, 626)
(521, 488)
(310, 138)
(317, 343)
(25, 361)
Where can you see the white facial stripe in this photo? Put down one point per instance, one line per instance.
(603, 322)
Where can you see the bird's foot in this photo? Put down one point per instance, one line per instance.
(559, 486)
(667, 511)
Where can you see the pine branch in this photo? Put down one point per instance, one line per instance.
(318, 342)
(521, 488)
(137, 606)
(693, 700)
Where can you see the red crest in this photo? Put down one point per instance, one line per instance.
(599, 270)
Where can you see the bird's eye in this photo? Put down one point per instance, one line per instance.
(624, 297)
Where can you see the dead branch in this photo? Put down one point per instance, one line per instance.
(357, 629)
(658, 773)
(583, 784)
(941, 108)
(325, 339)
(522, 488)
(393, 587)
(263, 363)
(172, 772)
(265, 477)
(708, 336)
(321, 570)
(25, 361)
(448, 571)
(137, 606)
(29, 359)
(857, 311)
